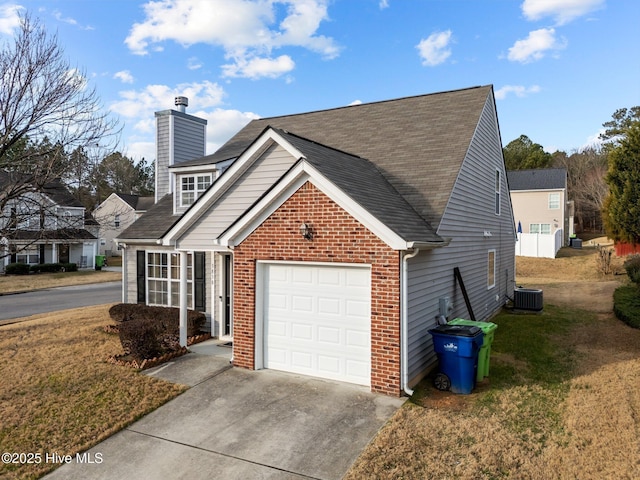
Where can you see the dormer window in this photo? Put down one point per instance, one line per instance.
(192, 186)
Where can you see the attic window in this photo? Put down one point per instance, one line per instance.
(192, 187)
(497, 192)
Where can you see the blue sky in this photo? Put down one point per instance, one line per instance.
(559, 68)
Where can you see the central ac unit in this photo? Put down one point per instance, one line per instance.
(527, 299)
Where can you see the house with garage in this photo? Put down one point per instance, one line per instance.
(325, 243)
(44, 224)
(541, 210)
(116, 213)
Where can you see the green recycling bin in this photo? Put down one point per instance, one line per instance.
(484, 355)
(100, 262)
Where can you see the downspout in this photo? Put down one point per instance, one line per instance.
(404, 319)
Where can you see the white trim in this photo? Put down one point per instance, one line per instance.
(180, 169)
(293, 180)
(225, 181)
(495, 268)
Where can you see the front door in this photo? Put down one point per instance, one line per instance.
(227, 322)
(63, 254)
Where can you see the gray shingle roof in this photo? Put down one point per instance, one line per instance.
(540, 179)
(364, 183)
(154, 223)
(417, 144)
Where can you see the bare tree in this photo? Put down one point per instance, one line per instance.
(47, 109)
(586, 170)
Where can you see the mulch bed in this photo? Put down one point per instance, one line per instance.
(127, 360)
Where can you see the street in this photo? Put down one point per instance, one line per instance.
(61, 298)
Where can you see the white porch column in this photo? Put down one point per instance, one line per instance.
(183, 299)
(125, 273)
(54, 252)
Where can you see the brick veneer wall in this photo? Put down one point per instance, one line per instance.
(337, 237)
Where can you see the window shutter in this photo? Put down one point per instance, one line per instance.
(199, 284)
(141, 267)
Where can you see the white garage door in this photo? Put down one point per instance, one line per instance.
(317, 321)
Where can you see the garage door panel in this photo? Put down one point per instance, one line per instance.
(322, 327)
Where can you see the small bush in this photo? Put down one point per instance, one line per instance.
(632, 266)
(167, 317)
(626, 304)
(17, 269)
(141, 338)
(603, 260)
(54, 267)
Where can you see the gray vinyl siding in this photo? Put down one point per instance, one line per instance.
(163, 155)
(469, 213)
(179, 137)
(257, 179)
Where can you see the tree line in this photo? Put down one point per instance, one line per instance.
(603, 180)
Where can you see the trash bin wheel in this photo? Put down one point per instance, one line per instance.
(442, 382)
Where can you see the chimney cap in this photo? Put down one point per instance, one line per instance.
(181, 103)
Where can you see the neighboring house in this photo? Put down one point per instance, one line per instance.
(325, 243)
(541, 210)
(114, 215)
(46, 225)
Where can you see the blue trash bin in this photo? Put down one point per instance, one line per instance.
(457, 347)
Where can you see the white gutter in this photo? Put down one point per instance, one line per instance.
(404, 320)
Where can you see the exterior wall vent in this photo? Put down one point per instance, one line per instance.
(527, 299)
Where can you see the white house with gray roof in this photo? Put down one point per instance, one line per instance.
(541, 210)
(325, 243)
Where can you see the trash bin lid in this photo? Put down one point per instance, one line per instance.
(456, 330)
(486, 327)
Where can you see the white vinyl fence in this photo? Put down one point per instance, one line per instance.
(539, 244)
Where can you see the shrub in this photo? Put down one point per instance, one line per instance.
(603, 260)
(17, 269)
(54, 267)
(626, 304)
(167, 317)
(632, 266)
(141, 338)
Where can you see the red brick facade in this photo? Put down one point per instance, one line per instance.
(337, 237)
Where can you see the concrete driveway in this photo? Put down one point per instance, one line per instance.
(240, 424)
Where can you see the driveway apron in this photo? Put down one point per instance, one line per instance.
(242, 424)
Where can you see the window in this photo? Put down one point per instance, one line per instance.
(116, 221)
(29, 256)
(554, 201)
(497, 192)
(163, 279)
(192, 187)
(543, 228)
(491, 269)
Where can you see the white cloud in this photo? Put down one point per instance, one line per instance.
(194, 63)
(124, 76)
(562, 11)
(518, 90)
(356, 102)
(255, 68)
(9, 18)
(383, 4)
(223, 124)
(246, 30)
(141, 104)
(434, 49)
(535, 46)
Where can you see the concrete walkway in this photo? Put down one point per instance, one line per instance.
(240, 424)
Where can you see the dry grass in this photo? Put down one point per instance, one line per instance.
(57, 393)
(22, 283)
(574, 415)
